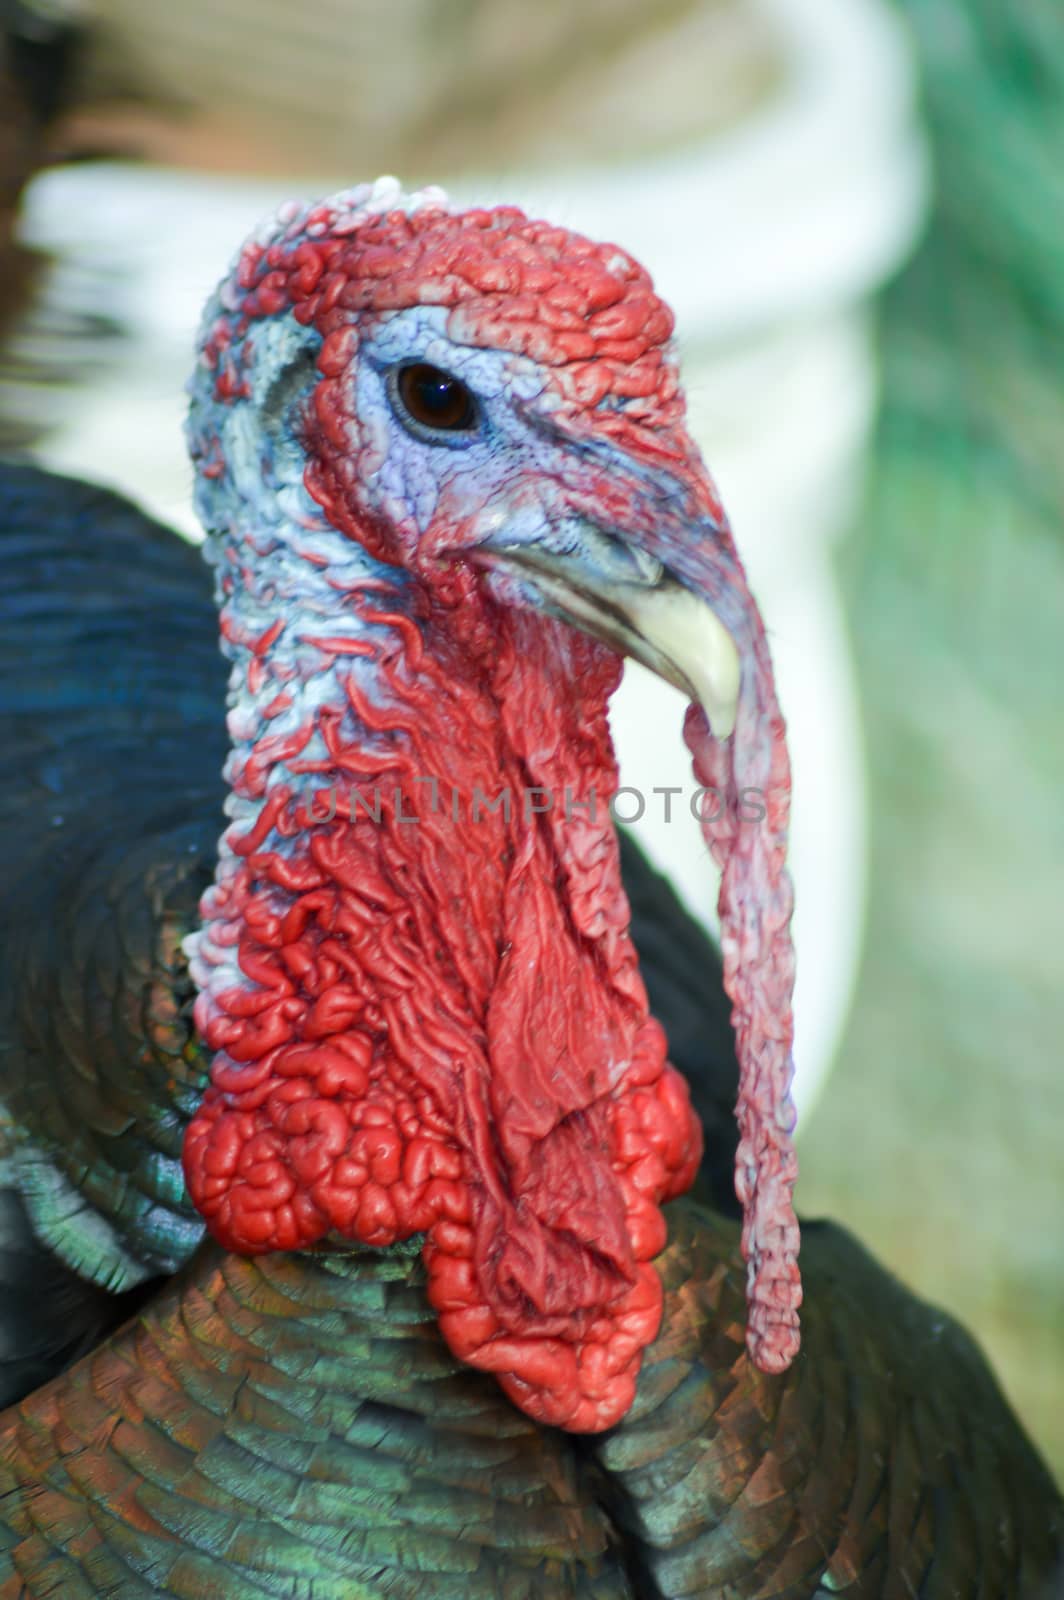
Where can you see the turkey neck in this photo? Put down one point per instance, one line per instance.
(421, 778)
(417, 982)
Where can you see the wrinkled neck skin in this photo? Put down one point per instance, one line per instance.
(416, 978)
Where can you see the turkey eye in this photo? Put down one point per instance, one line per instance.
(435, 400)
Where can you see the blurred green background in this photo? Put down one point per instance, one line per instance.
(940, 1139)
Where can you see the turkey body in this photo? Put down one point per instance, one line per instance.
(295, 1424)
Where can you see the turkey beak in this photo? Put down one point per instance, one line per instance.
(644, 611)
(674, 632)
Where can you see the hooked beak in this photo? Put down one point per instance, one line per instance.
(626, 597)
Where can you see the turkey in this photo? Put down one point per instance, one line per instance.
(456, 1330)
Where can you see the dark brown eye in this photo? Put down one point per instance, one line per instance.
(433, 399)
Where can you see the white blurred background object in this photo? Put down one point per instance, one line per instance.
(768, 238)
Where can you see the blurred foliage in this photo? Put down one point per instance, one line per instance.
(974, 347)
(941, 1139)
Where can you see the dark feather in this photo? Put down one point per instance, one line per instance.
(112, 698)
(884, 1462)
(295, 1425)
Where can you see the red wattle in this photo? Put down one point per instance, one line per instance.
(445, 1036)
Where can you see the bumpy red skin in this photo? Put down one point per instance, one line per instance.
(452, 1038)
(449, 1034)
